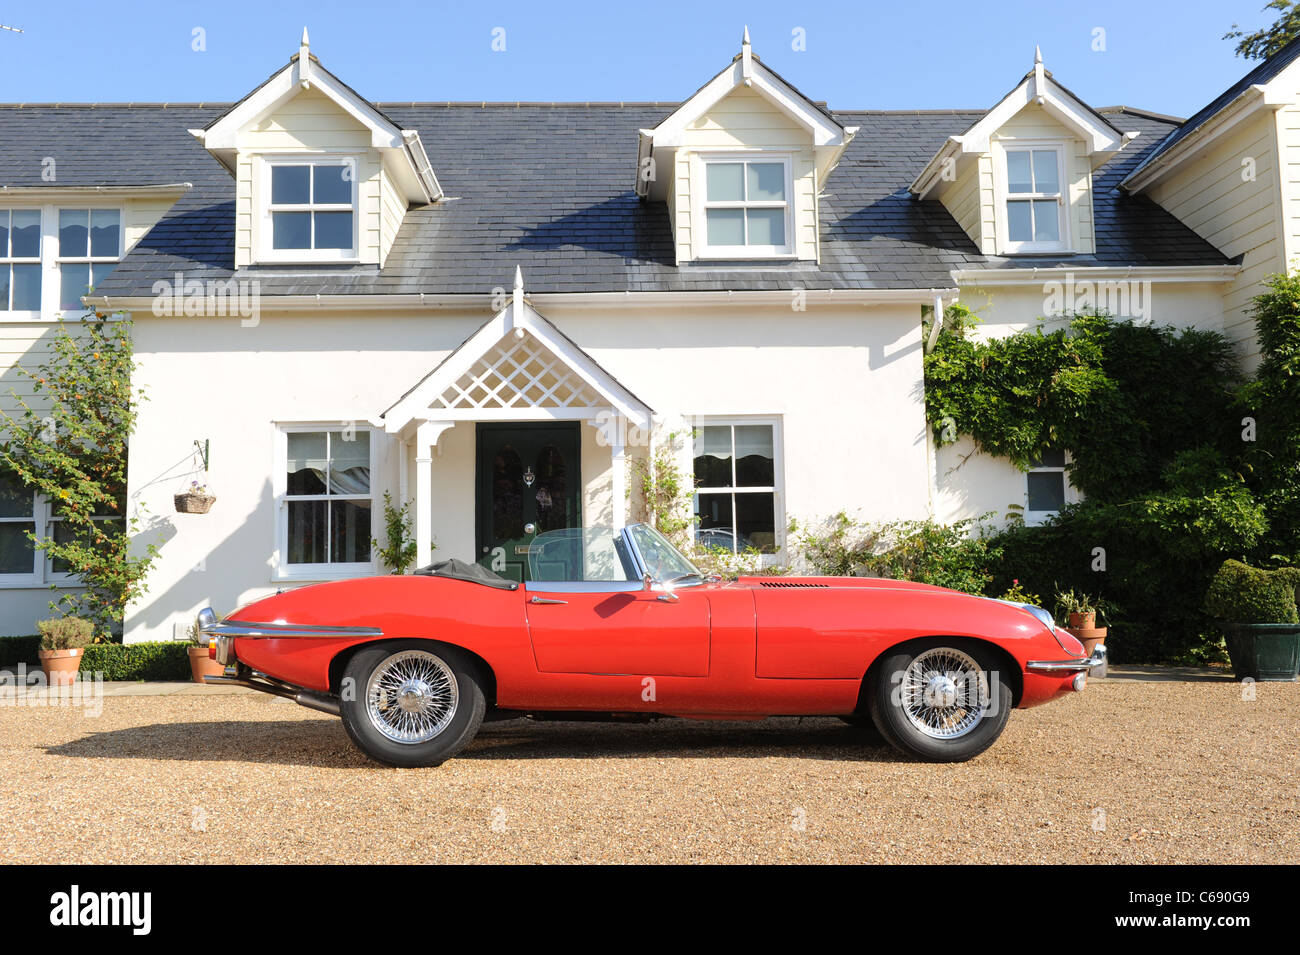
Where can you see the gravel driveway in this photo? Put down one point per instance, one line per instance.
(1125, 772)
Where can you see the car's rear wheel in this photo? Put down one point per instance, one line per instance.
(412, 703)
(942, 700)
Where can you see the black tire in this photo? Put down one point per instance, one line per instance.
(459, 720)
(888, 710)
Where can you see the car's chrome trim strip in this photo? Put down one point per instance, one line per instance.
(242, 628)
(1070, 666)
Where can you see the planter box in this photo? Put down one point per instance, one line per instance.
(1266, 652)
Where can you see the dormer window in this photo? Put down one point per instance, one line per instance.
(311, 213)
(746, 207)
(1033, 200)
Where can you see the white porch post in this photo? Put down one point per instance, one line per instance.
(618, 470)
(425, 437)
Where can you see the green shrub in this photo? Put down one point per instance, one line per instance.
(138, 661)
(1240, 593)
(16, 650)
(64, 633)
(957, 556)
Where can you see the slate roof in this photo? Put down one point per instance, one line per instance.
(549, 187)
(1261, 74)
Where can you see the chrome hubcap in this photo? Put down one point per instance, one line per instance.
(944, 693)
(412, 696)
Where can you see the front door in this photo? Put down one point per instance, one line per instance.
(528, 482)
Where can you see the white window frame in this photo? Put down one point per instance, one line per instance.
(1071, 496)
(777, 490)
(282, 569)
(64, 579)
(6, 260)
(43, 573)
(264, 248)
(700, 187)
(60, 259)
(37, 575)
(1003, 195)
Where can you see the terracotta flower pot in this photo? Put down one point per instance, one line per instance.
(202, 665)
(1088, 636)
(1083, 621)
(60, 666)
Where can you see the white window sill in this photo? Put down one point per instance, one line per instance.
(38, 583)
(314, 573)
(1038, 518)
(268, 258)
(744, 252)
(1040, 250)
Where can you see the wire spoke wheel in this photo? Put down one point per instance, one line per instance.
(412, 696)
(944, 693)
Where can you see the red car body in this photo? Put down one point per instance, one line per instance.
(761, 646)
(750, 648)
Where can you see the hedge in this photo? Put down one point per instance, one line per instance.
(166, 660)
(138, 661)
(16, 650)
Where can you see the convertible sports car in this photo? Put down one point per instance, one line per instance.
(618, 624)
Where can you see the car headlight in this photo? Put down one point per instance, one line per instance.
(1045, 618)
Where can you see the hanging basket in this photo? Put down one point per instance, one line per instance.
(190, 503)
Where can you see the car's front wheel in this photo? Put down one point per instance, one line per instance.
(411, 703)
(942, 700)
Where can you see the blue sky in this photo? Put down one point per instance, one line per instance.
(1162, 56)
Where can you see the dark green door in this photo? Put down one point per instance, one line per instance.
(528, 482)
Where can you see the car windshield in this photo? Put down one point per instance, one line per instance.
(601, 554)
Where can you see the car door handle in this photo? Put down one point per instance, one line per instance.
(546, 600)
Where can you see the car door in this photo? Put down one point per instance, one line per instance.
(618, 628)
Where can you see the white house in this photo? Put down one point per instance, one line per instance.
(493, 311)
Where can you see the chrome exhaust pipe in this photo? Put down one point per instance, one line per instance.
(313, 700)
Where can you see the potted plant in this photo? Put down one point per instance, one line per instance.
(1079, 611)
(1256, 609)
(63, 640)
(201, 664)
(195, 500)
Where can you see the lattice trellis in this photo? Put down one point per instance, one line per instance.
(518, 373)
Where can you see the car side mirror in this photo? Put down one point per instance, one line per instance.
(647, 582)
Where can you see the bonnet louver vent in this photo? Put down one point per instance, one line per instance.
(790, 583)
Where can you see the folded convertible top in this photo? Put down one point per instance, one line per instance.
(471, 573)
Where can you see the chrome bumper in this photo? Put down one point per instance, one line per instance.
(1077, 665)
(224, 633)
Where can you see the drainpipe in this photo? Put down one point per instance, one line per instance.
(938, 323)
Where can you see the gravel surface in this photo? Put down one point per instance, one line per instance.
(1125, 772)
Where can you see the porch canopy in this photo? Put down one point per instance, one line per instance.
(516, 367)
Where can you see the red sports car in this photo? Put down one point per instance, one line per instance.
(617, 623)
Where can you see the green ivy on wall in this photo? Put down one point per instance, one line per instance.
(1180, 464)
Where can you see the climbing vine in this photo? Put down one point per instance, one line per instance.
(1181, 466)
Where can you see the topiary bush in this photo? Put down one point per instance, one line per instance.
(1240, 593)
